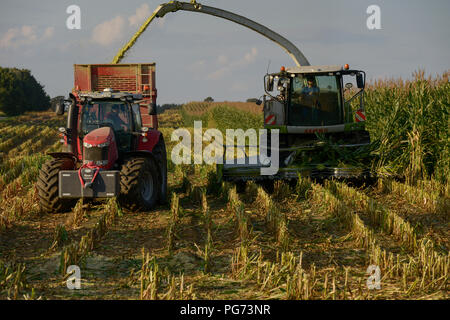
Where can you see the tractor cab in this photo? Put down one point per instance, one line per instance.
(118, 111)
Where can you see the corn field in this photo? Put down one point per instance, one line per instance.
(306, 240)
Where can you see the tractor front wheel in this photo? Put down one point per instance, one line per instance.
(139, 184)
(47, 185)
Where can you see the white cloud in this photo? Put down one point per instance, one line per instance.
(8, 38)
(197, 66)
(251, 56)
(228, 67)
(142, 13)
(25, 35)
(222, 59)
(109, 31)
(48, 33)
(220, 73)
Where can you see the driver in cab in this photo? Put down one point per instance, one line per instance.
(114, 118)
(311, 87)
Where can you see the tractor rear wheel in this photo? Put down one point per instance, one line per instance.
(47, 185)
(159, 151)
(139, 184)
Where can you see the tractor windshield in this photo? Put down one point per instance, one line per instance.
(315, 100)
(99, 114)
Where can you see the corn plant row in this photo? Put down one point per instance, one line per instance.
(208, 229)
(430, 194)
(13, 279)
(287, 275)
(388, 220)
(20, 135)
(11, 131)
(13, 208)
(428, 264)
(275, 220)
(77, 252)
(13, 168)
(392, 223)
(242, 218)
(175, 210)
(152, 280)
(34, 144)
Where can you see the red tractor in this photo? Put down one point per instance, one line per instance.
(112, 146)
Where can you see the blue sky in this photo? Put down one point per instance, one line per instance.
(199, 56)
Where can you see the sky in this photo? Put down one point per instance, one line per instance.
(198, 55)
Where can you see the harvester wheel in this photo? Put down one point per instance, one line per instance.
(47, 185)
(139, 184)
(159, 151)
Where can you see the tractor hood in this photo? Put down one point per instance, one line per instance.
(100, 149)
(99, 137)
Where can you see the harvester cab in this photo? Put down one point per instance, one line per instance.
(313, 96)
(321, 125)
(112, 147)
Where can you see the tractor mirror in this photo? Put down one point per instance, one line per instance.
(360, 81)
(59, 108)
(269, 83)
(152, 109)
(258, 102)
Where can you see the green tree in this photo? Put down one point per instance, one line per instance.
(20, 92)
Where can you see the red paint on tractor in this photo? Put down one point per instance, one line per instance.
(152, 139)
(101, 136)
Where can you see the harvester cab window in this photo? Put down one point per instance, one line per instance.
(315, 100)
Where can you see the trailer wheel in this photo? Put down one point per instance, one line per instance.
(138, 184)
(47, 185)
(159, 151)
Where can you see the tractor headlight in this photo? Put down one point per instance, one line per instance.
(102, 145)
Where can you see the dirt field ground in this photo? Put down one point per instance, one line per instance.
(305, 241)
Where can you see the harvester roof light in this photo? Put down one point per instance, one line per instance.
(346, 67)
(282, 69)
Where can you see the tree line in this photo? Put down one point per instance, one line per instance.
(21, 92)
